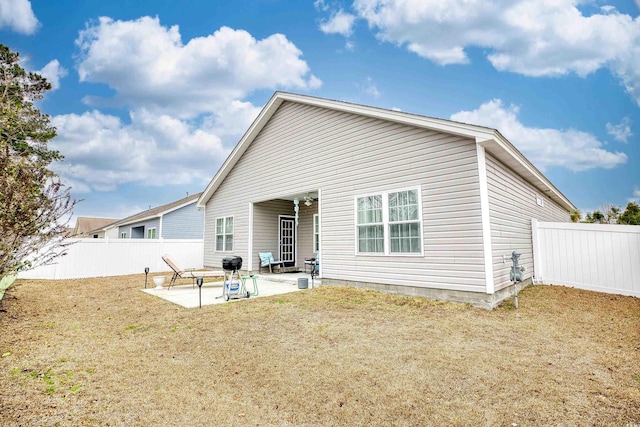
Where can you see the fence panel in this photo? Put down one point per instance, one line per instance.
(114, 257)
(597, 257)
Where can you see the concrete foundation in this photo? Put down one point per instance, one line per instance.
(477, 299)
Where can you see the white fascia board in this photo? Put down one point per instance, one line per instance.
(448, 126)
(241, 147)
(146, 218)
(499, 144)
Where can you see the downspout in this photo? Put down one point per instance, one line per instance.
(486, 221)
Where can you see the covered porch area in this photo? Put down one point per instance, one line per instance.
(289, 228)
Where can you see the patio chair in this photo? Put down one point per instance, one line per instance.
(266, 259)
(188, 273)
(312, 263)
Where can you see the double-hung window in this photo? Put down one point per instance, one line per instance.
(389, 223)
(151, 233)
(224, 234)
(370, 224)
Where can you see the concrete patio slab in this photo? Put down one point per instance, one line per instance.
(188, 296)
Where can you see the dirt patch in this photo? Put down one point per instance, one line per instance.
(100, 352)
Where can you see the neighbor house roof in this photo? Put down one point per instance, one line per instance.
(489, 138)
(157, 211)
(84, 225)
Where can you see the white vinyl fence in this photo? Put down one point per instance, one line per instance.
(114, 257)
(597, 257)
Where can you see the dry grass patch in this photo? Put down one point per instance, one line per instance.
(100, 352)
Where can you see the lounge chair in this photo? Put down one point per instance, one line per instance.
(266, 259)
(189, 273)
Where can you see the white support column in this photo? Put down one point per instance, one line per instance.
(250, 242)
(486, 222)
(320, 231)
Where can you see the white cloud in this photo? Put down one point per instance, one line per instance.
(636, 193)
(321, 5)
(101, 152)
(339, 22)
(369, 87)
(544, 147)
(53, 72)
(622, 131)
(18, 16)
(528, 37)
(149, 66)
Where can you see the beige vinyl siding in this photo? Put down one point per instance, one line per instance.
(306, 148)
(512, 205)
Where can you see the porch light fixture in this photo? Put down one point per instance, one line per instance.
(308, 201)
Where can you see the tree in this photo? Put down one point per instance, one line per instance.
(576, 215)
(631, 214)
(595, 217)
(33, 202)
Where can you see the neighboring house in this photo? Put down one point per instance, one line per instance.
(397, 202)
(176, 220)
(91, 227)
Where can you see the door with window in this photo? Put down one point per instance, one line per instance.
(288, 240)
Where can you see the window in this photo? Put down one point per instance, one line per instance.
(316, 233)
(224, 234)
(370, 225)
(123, 235)
(151, 233)
(404, 222)
(389, 223)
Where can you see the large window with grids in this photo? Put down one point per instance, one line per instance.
(389, 223)
(224, 234)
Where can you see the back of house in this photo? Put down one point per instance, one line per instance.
(398, 202)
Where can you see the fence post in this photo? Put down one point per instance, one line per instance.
(537, 259)
(105, 259)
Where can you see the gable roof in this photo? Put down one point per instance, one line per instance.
(157, 211)
(489, 138)
(84, 225)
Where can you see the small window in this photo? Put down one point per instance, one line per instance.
(151, 233)
(316, 233)
(224, 234)
(123, 235)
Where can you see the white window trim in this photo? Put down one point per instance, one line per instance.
(385, 223)
(224, 235)
(155, 233)
(316, 217)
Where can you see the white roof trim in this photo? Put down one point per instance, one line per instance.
(489, 138)
(158, 215)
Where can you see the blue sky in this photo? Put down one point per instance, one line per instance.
(150, 96)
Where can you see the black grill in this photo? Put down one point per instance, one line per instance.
(231, 263)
